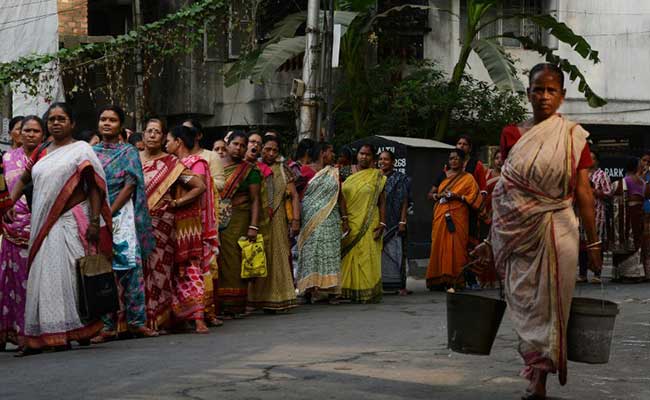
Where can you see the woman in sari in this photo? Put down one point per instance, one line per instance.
(488, 276)
(276, 292)
(240, 216)
(319, 243)
(163, 173)
(630, 193)
(456, 195)
(361, 249)
(15, 126)
(534, 236)
(194, 256)
(393, 256)
(70, 219)
(133, 238)
(15, 237)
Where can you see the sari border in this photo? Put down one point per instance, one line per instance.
(163, 186)
(366, 223)
(320, 216)
(59, 204)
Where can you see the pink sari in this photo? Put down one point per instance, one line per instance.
(193, 291)
(535, 239)
(13, 254)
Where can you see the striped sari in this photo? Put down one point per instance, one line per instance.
(535, 239)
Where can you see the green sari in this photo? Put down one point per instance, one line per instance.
(232, 292)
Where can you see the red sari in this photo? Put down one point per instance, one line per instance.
(160, 175)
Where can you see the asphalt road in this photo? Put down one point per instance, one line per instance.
(393, 350)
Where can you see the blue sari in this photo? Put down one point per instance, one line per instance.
(393, 256)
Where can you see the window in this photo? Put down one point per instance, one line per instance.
(236, 34)
(517, 26)
(239, 25)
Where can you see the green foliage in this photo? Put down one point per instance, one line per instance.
(176, 34)
(498, 64)
(411, 106)
(501, 67)
(570, 69)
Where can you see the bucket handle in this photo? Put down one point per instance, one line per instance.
(501, 293)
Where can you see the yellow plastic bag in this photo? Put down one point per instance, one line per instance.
(253, 258)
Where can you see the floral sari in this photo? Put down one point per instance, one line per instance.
(159, 177)
(13, 255)
(535, 239)
(361, 263)
(57, 240)
(319, 243)
(133, 238)
(276, 291)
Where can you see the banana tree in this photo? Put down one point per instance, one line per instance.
(501, 68)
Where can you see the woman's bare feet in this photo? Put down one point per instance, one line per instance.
(201, 327)
(537, 388)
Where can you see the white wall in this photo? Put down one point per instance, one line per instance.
(618, 29)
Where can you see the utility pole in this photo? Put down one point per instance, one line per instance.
(139, 80)
(309, 106)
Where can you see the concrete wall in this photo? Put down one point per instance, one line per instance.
(619, 30)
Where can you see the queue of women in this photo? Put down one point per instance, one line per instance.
(171, 219)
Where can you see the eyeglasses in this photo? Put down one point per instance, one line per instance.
(153, 130)
(57, 118)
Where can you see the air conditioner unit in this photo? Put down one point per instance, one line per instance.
(297, 88)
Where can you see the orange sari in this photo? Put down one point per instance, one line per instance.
(449, 249)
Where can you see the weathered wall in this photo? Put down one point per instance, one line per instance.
(619, 30)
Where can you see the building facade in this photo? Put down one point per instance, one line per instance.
(619, 30)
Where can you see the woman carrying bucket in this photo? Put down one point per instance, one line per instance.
(534, 238)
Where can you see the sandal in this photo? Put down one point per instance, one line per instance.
(143, 332)
(214, 322)
(103, 337)
(27, 352)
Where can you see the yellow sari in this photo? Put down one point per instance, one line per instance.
(361, 264)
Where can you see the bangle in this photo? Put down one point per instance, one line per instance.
(402, 222)
(487, 242)
(594, 244)
(344, 217)
(253, 227)
(382, 224)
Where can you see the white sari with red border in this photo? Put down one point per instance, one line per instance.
(57, 241)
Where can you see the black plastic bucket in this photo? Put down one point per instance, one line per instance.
(473, 322)
(590, 330)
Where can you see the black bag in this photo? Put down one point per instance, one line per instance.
(97, 287)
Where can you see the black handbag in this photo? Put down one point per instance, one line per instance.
(97, 287)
